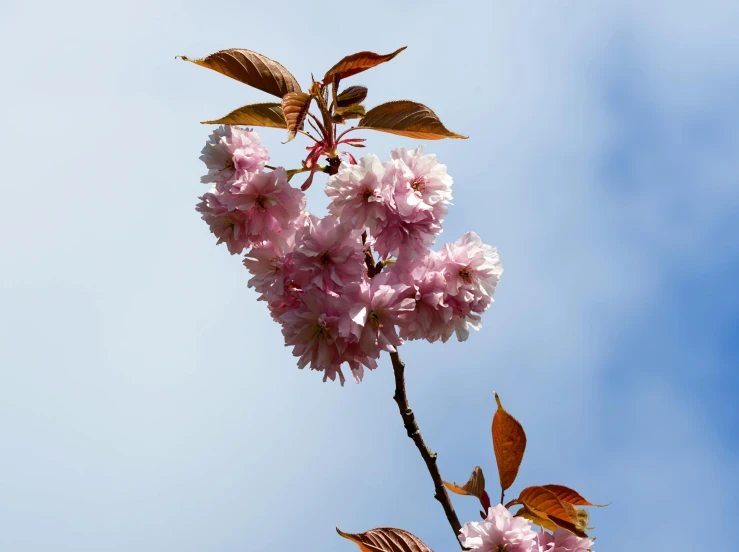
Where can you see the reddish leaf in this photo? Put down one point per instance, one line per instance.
(263, 114)
(509, 442)
(565, 494)
(474, 487)
(251, 68)
(407, 118)
(543, 500)
(356, 63)
(354, 95)
(386, 539)
(295, 107)
(548, 521)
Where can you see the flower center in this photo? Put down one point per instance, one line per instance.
(260, 202)
(367, 195)
(419, 184)
(319, 329)
(326, 258)
(466, 274)
(375, 318)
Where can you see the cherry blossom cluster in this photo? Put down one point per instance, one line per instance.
(362, 279)
(501, 531)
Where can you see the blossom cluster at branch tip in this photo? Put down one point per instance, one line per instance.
(313, 272)
(502, 532)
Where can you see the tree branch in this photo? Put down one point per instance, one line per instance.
(409, 421)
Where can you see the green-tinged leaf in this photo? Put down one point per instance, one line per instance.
(262, 114)
(566, 494)
(251, 68)
(509, 443)
(352, 96)
(540, 499)
(356, 63)
(407, 118)
(295, 107)
(386, 539)
(549, 521)
(356, 112)
(474, 487)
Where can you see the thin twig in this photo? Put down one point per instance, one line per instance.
(409, 421)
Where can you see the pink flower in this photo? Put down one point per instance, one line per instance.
(272, 206)
(312, 329)
(361, 194)
(327, 255)
(431, 318)
(500, 531)
(421, 183)
(375, 308)
(230, 227)
(272, 268)
(405, 239)
(472, 271)
(563, 541)
(231, 153)
(265, 207)
(470, 264)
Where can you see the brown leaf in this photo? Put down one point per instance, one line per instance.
(543, 500)
(295, 107)
(356, 63)
(354, 95)
(262, 114)
(565, 494)
(356, 112)
(475, 486)
(407, 118)
(251, 68)
(540, 519)
(386, 539)
(509, 442)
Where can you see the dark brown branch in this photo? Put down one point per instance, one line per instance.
(409, 421)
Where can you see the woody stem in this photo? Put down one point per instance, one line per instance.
(429, 457)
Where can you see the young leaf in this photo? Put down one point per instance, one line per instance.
(356, 112)
(509, 443)
(539, 499)
(475, 486)
(295, 107)
(406, 118)
(251, 68)
(354, 95)
(356, 63)
(262, 114)
(386, 539)
(548, 521)
(565, 494)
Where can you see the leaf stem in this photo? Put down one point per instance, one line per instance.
(409, 422)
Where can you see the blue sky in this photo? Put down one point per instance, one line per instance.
(146, 400)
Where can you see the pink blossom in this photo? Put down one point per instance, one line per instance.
(312, 329)
(431, 318)
(230, 227)
(271, 204)
(272, 268)
(563, 541)
(361, 194)
(327, 255)
(231, 153)
(499, 531)
(375, 308)
(472, 270)
(265, 207)
(405, 239)
(421, 183)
